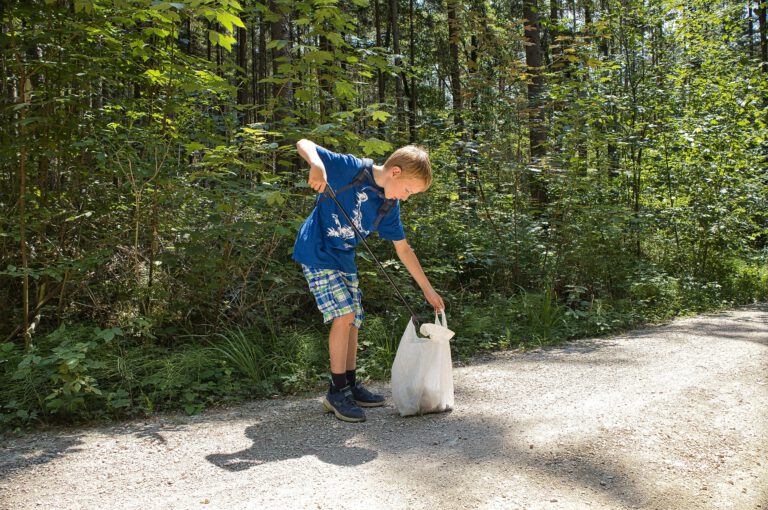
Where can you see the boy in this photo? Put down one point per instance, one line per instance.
(325, 248)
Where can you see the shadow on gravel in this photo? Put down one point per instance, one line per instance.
(473, 446)
(42, 452)
(293, 437)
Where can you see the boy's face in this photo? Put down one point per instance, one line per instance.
(401, 187)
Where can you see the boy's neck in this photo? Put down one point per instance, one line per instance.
(379, 177)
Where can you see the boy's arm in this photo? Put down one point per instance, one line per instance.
(411, 262)
(318, 179)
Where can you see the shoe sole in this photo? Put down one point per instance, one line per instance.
(331, 409)
(370, 404)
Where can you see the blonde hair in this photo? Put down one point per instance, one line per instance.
(413, 160)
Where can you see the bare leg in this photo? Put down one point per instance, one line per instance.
(352, 349)
(339, 341)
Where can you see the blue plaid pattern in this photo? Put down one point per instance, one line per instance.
(336, 293)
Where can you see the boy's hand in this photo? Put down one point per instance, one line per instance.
(318, 179)
(434, 299)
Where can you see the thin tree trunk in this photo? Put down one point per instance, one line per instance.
(208, 43)
(190, 45)
(453, 50)
(612, 151)
(25, 88)
(412, 93)
(394, 19)
(454, 37)
(254, 71)
(379, 74)
(219, 60)
(263, 88)
(242, 72)
(537, 127)
(326, 87)
(553, 47)
(763, 42)
(282, 93)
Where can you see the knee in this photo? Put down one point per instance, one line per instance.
(344, 320)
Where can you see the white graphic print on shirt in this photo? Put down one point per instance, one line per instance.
(346, 231)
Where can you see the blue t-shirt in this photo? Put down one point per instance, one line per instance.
(326, 240)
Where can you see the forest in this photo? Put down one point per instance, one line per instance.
(599, 164)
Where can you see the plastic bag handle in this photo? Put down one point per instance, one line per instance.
(444, 321)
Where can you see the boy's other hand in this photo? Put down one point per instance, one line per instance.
(317, 178)
(434, 299)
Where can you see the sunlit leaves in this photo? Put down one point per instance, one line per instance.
(218, 39)
(374, 146)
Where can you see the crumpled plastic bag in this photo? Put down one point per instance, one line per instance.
(422, 373)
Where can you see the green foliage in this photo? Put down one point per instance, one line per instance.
(377, 348)
(61, 382)
(247, 355)
(163, 193)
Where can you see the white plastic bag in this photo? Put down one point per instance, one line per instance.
(422, 374)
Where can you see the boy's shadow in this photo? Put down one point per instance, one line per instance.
(292, 436)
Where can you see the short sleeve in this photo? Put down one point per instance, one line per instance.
(390, 227)
(340, 168)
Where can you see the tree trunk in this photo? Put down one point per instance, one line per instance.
(242, 73)
(763, 43)
(453, 50)
(412, 92)
(326, 87)
(552, 47)
(208, 43)
(394, 19)
(263, 88)
(612, 152)
(282, 93)
(603, 45)
(25, 86)
(219, 60)
(380, 82)
(379, 74)
(254, 70)
(454, 37)
(190, 45)
(537, 126)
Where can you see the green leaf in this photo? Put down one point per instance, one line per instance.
(277, 43)
(224, 40)
(381, 116)
(344, 90)
(227, 20)
(194, 146)
(373, 146)
(159, 32)
(84, 6)
(335, 38)
(318, 57)
(303, 94)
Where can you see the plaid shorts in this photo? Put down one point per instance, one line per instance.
(336, 293)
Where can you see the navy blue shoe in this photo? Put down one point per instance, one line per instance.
(342, 404)
(365, 398)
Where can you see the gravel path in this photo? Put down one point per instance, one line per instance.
(674, 416)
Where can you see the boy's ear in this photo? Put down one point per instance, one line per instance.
(395, 171)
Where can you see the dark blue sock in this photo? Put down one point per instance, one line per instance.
(351, 377)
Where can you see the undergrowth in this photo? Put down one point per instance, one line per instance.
(81, 373)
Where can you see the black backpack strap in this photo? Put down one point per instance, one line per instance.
(384, 209)
(363, 176)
